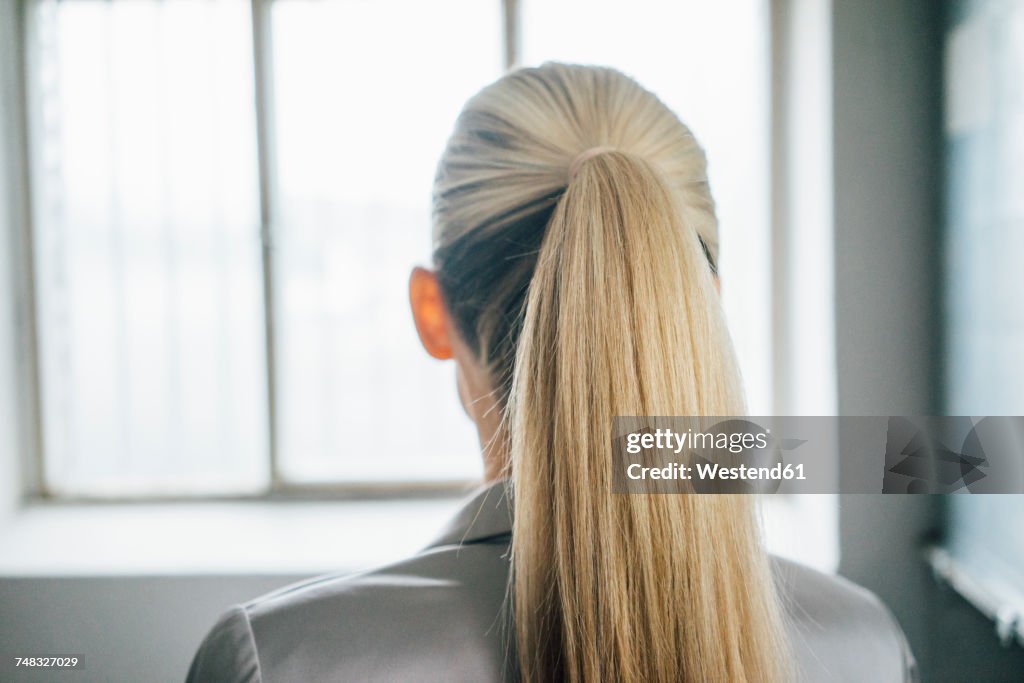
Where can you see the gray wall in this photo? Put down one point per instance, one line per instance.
(131, 629)
(886, 146)
(887, 66)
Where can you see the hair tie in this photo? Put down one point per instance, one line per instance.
(586, 154)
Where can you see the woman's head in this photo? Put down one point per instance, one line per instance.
(575, 248)
(505, 168)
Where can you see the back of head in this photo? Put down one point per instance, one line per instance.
(576, 245)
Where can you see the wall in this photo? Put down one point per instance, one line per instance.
(886, 104)
(136, 629)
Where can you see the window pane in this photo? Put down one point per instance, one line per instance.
(147, 247)
(984, 139)
(709, 62)
(366, 94)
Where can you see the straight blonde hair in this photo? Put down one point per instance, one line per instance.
(590, 294)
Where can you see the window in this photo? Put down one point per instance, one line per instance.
(983, 554)
(228, 195)
(150, 296)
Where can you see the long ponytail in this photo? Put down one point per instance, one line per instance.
(622, 319)
(587, 298)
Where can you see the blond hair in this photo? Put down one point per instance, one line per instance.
(588, 295)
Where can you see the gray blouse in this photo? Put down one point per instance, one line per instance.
(440, 616)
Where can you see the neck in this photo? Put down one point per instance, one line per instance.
(493, 439)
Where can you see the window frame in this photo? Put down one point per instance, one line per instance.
(18, 196)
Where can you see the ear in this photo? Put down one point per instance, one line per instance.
(429, 313)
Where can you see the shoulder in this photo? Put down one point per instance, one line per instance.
(228, 653)
(435, 616)
(841, 631)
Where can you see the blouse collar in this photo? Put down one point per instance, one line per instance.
(486, 514)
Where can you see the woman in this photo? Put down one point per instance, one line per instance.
(575, 280)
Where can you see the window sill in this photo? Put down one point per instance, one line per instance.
(292, 537)
(252, 537)
(989, 585)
